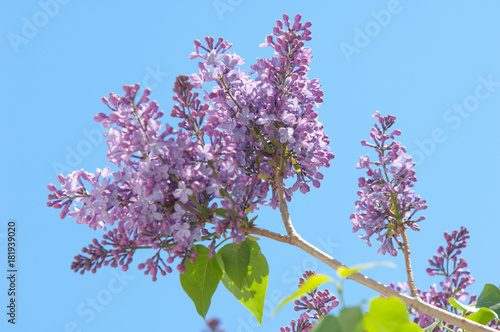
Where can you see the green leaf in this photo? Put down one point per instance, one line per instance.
(345, 271)
(294, 164)
(388, 315)
(251, 221)
(489, 298)
(464, 307)
(252, 238)
(349, 320)
(274, 141)
(264, 177)
(221, 213)
(236, 258)
(253, 288)
(309, 285)
(200, 208)
(201, 279)
(483, 316)
(431, 327)
(327, 324)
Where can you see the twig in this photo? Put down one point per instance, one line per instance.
(409, 271)
(268, 234)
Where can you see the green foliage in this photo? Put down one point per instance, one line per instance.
(485, 309)
(431, 327)
(349, 320)
(455, 304)
(201, 279)
(235, 258)
(344, 272)
(221, 213)
(308, 286)
(252, 291)
(489, 298)
(388, 315)
(482, 316)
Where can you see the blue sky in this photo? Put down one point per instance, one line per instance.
(435, 66)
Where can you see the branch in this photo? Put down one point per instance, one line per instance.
(409, 271)
(268, 234)
(278, 182)
(415, 302)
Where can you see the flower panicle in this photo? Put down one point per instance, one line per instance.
(315, 305)
(387, 204)
(455, 279)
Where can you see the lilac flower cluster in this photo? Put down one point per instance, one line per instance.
(449, 265)
(387, 205)
(316, 305)
(214, 325)
(173, 187)
(272, 117)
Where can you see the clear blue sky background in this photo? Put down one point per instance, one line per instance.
(416, 65)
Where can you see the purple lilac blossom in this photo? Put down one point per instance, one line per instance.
(171, 187)
(275, 107)
(386, 200)
(316, 305)
(214, 325)
(451, 267)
